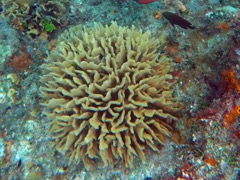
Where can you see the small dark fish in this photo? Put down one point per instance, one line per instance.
(175, 19)
(19, 163)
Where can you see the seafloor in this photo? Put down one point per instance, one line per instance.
(206, 69)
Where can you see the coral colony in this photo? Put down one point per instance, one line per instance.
(107, 94)
(120, 89)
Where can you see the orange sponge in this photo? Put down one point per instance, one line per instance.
(230, 79)
(230, 117)
(210, 160)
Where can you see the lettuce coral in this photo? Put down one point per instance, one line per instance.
(29, 15)
(107, 93)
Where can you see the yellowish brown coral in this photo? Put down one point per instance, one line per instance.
(14, 78)
(11, 95)
(34, 16)
(15, 10)
(107, 94)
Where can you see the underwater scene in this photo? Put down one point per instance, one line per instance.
(120, 90)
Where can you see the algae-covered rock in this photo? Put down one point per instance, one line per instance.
(35, 173)
(8, 42)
